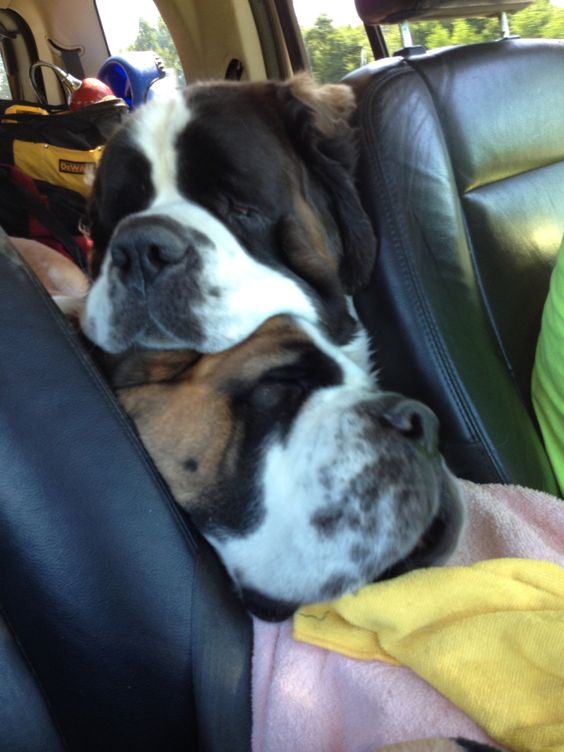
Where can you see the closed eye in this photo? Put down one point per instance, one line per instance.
(289, 375)
(239, 209)
(280, 390)
(311, 370)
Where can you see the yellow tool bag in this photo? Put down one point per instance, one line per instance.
(48, 157)
(61, 147)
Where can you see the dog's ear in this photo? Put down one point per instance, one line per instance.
(318, 123)
(332, 105)
(140, 367)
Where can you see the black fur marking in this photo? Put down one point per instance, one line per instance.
(282, 391)
(122, 187)
(231, 508)
(359, 553)
(261, 412)
(471, 746)
(328, 520)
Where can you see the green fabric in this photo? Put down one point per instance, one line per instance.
(548, 372)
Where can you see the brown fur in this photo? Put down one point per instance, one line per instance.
(333, 104)
(179, 402)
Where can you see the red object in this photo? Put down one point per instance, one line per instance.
(90, 90)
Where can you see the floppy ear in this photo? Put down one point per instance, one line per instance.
(332, 105)
(318, 121)
(140, 367)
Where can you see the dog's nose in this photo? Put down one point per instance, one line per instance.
(413, 420)
(142, 251)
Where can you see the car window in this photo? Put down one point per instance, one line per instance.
(543, 18)
(136, 25)
(336, 40)
(5, 92)
(335, 37)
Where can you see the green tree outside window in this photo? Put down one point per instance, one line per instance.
(334, 51)
(157, 38)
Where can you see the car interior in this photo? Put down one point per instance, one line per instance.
(119, 629)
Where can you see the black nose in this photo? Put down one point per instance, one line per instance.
(143, 248)
(412, 420)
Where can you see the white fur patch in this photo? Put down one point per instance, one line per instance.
(247, 292)
(155, 132)
(96, 315)
(359, 349)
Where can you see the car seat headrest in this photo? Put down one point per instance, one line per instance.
(395, 11)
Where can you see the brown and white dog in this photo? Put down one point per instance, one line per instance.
(226, 223)
(307, 480)
(225, 206)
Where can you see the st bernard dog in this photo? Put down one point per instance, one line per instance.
(228, 239)
(225, 206)
(308, 481)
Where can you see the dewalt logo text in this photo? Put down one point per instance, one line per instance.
(73, 168)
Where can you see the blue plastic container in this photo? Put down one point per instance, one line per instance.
(131, 74)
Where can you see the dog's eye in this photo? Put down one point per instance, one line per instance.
(288, 375)
(280, 394)
(239, 210)
(283, 385)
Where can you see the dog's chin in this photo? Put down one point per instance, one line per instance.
(433, 548)
(265, 608)
(441, 537)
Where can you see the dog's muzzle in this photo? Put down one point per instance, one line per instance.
(183, 280)
(357, 492)
(142, 252)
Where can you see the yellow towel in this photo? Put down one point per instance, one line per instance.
(490, 637)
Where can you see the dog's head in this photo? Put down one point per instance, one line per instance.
(308, 480)
(232, 203)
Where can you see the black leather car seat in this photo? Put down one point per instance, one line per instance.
(462, 174)
(119, 629)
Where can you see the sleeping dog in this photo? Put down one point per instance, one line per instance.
(226, 223)
(307, 480)
(229, 204)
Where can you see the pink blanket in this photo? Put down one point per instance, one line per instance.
(306, 698)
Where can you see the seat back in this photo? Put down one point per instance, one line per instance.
(122, 629)
(462, 174)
